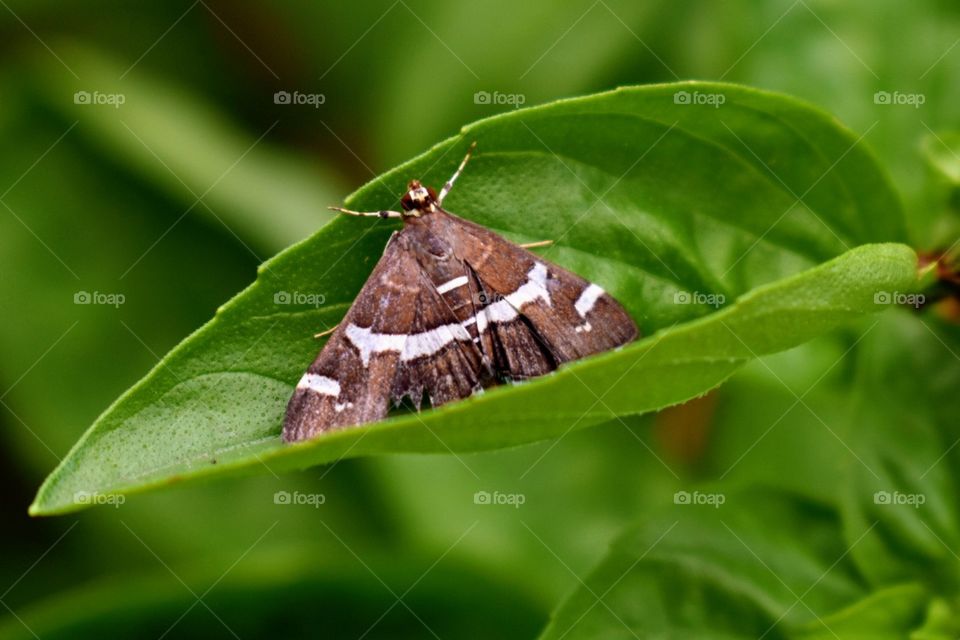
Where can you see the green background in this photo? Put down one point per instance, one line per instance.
(175, 197)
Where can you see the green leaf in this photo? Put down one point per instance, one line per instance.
(903, 427)
(67, 205)
(265, 196)
(888, 614)
(941, 622)
(646, 195)
(879, 427)
(940, 152)
(873, 438)
(277, 593)
(732, 566)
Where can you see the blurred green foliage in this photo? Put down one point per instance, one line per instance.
(105, 200)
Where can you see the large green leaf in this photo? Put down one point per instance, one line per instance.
(736, 569)
(903, 427)
(278, 594)
(263, 195)
(719, 564)
(873, 438)
(652, 197)
(888, 614)
(888, 526)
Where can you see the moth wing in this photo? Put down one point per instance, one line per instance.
(399, 338)
(347, 384)
(567, 316)
(513, 348)
(441, 361)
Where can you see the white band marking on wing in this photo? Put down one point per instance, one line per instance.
(588, 299)
(452, 284)
(319, 384)
(417, 345)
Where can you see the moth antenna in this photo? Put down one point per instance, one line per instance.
(456, 174)
(327, 332)
(534, 245)
(368, 214)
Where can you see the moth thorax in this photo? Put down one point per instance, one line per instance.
(418, 199)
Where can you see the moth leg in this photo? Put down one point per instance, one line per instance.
(456, 174)
(327, 332)
(370, 214)
(534, 245)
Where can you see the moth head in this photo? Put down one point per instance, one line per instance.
(418, 199)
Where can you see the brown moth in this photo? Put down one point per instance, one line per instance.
(450, 308)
